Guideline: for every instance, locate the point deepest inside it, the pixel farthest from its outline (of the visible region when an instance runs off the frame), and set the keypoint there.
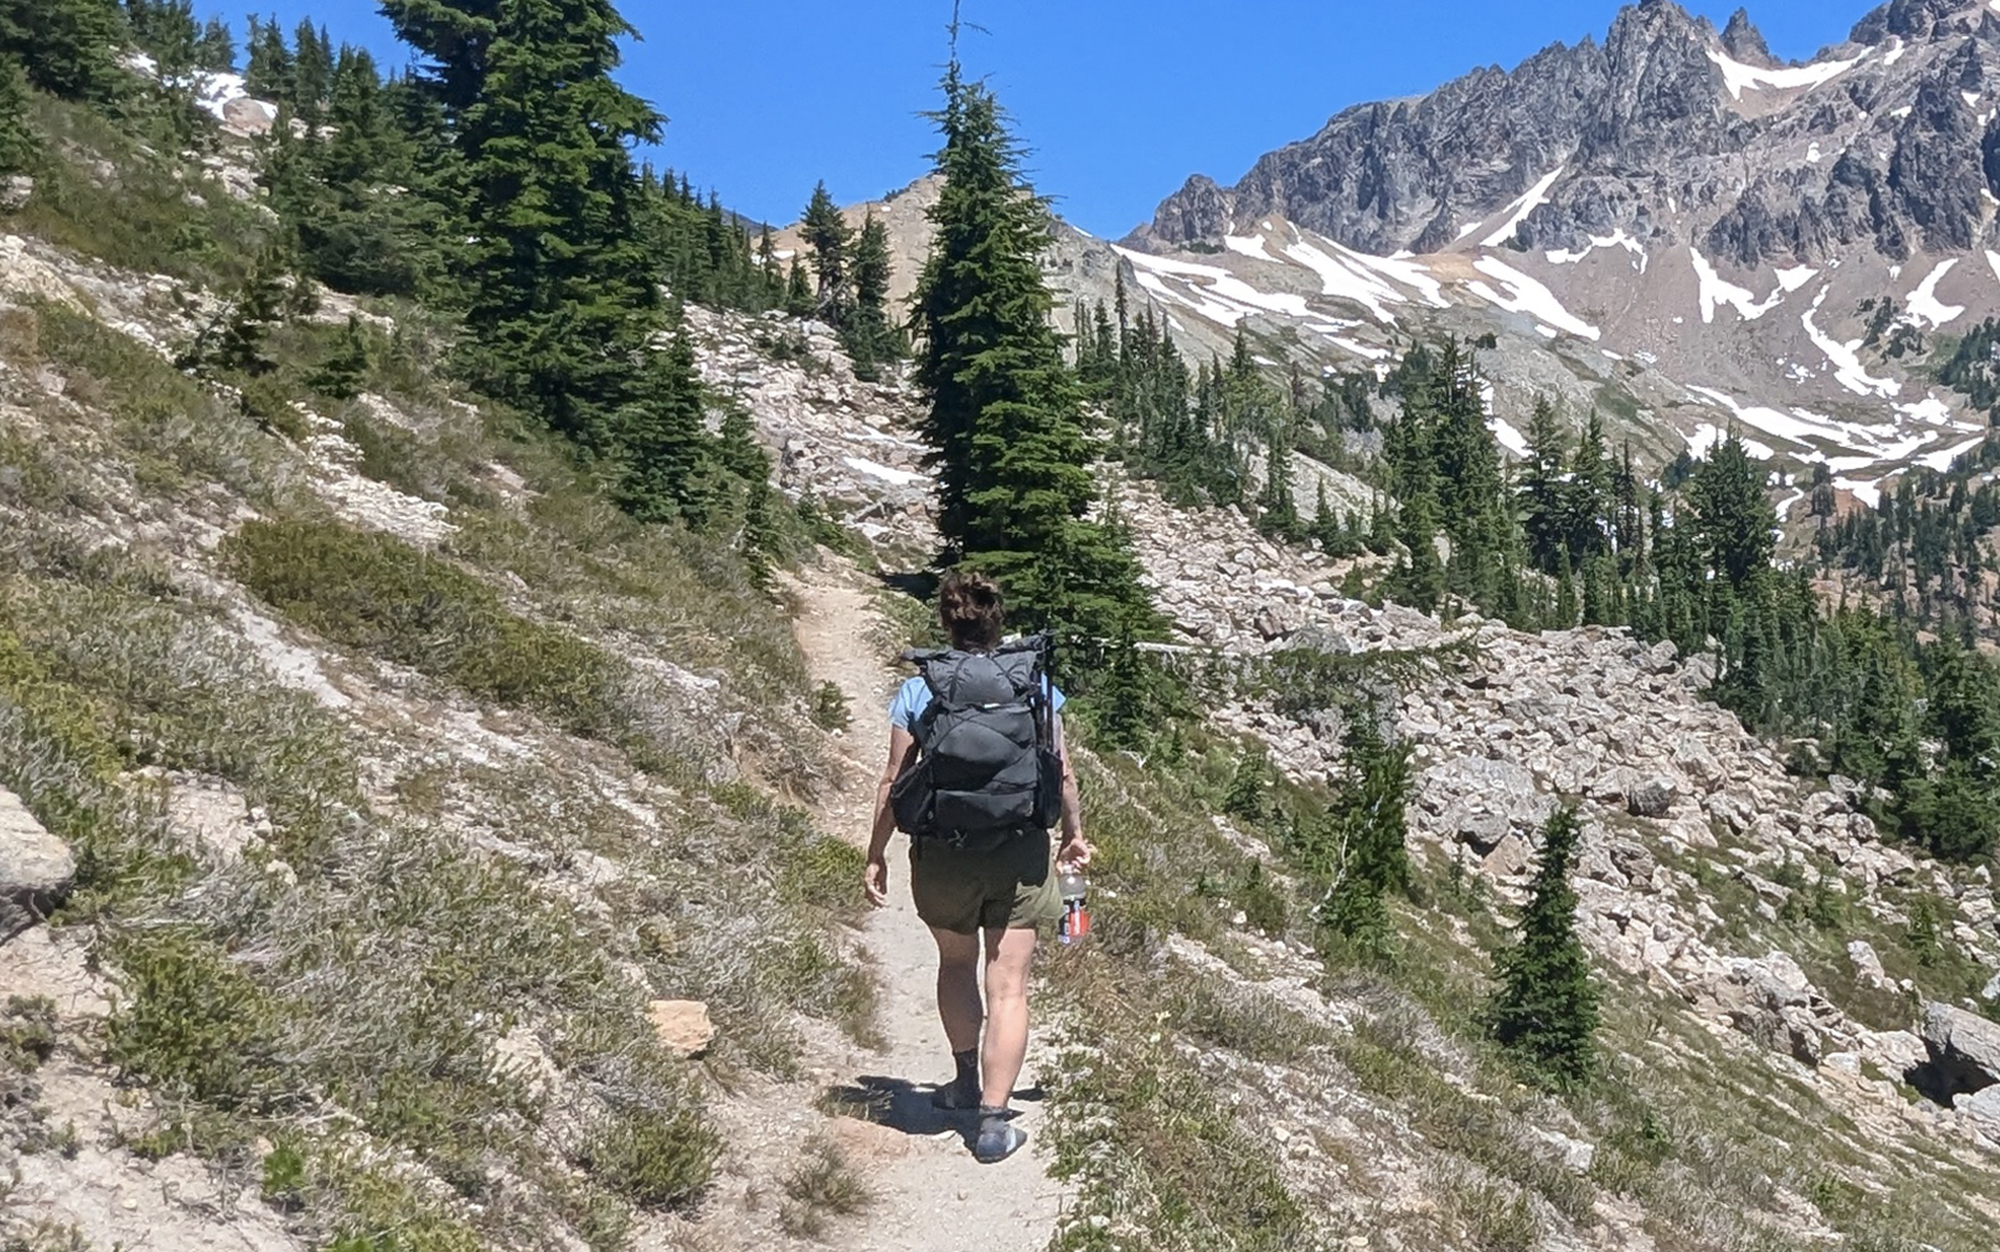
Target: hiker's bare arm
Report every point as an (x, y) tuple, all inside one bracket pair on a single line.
[(1074, 850), (875, 879)]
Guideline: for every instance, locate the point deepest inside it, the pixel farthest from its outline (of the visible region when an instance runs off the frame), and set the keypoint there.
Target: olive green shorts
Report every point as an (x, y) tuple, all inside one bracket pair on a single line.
[(1012, 887)]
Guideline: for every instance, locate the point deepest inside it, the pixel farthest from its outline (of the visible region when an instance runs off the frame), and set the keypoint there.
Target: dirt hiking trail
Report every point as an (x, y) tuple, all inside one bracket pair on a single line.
[(930, 1195)]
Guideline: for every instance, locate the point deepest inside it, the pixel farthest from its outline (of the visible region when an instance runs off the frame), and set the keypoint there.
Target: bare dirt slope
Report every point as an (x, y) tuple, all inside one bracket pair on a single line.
[(930, 1194)]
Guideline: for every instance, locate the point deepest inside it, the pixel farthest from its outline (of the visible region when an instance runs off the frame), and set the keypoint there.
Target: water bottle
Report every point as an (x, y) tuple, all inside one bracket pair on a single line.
[(1076, 911)]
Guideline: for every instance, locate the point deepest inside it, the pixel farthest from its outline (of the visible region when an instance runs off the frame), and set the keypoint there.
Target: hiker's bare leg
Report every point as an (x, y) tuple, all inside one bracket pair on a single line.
[(1008, 956), (958, 988)]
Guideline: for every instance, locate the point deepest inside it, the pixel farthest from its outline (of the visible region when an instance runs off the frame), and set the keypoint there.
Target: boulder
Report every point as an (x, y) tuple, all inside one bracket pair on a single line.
[(35, 867), (1634, 861), (1653, 797), (1510, 858), (1867, 964), (1964, 1050), (15, 192), (1983, 1109), (682, 1025)]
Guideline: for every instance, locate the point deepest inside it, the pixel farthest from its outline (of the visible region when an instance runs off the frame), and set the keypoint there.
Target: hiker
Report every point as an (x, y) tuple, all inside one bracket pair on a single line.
[(977, 880)]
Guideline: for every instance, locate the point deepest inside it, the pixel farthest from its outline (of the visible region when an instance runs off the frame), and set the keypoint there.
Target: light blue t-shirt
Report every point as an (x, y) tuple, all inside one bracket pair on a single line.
[(915, 696)]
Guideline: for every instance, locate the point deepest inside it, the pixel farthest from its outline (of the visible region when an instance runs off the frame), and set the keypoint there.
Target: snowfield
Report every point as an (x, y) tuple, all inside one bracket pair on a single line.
[(1845, 358), (1526, 295), (1924, 304), (1740, 78)]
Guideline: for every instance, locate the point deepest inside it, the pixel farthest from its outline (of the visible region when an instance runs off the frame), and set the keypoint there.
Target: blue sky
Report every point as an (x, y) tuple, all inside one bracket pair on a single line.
[(1119, 101)]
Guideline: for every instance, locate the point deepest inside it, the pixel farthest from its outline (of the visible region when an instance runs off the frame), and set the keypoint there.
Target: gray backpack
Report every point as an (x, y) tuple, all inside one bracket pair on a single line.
[(986, 769)]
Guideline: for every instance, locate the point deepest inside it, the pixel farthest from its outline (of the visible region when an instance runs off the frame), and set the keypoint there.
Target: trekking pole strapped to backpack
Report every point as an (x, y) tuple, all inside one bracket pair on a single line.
[(987, 768)]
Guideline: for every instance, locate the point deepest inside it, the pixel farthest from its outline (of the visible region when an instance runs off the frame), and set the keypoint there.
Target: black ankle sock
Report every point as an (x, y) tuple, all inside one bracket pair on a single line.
[(968, 1067)]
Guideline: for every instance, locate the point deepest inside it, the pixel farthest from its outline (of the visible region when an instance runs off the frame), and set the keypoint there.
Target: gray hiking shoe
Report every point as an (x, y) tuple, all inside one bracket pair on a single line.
[(998, 1138)]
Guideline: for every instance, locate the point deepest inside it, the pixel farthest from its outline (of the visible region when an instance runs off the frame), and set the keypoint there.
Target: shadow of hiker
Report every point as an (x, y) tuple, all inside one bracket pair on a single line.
[(904, 1106)]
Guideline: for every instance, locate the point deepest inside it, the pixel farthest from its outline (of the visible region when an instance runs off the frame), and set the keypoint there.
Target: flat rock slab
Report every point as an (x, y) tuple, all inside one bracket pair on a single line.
[(35, 867)]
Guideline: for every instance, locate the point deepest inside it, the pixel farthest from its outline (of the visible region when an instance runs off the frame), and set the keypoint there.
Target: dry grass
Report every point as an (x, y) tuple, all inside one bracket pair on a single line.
[(422, 984)]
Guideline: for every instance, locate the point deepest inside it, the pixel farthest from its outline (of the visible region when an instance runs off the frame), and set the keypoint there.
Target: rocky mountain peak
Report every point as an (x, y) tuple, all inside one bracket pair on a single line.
[(1742, 40), (1912, 19)]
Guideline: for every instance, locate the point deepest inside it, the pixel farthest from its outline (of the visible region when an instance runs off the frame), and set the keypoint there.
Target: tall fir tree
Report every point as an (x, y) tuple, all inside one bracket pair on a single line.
[(829, 239), (1545, 1010), (561, 295), (1543, 473), (663, 445), (1006, 421), (268, 74), (871, 336), (1732, 512)]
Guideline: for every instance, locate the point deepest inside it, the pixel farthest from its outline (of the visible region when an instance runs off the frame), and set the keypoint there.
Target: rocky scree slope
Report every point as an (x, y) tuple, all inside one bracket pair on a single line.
[(1754, 934)]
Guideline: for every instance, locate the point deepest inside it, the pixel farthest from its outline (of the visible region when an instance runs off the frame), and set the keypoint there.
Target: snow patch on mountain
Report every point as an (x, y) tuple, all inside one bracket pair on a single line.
[(1247, 245), (1616, 239), (1526, 295), (1208, 290), (1532, 199), (1740, 78), (1705, 437), (1845, 357), (1924, 304), (1717, 291)]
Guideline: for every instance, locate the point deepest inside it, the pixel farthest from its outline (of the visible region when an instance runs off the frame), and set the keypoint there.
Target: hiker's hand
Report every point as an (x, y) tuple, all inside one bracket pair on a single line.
[(875, 880), (1074, 853)]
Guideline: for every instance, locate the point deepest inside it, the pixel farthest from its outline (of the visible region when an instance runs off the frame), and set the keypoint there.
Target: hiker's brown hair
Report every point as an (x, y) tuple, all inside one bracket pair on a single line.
[(970, 608)]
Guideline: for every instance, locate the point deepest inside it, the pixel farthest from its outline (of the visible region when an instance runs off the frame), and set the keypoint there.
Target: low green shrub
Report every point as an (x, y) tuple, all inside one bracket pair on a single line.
[(27, 1032), (190, 1021), (657, 1159), (830, 709), (382, 596), (823, 1187)]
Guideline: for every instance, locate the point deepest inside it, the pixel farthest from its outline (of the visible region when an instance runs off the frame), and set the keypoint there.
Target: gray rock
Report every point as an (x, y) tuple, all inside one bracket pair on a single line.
[(15, 192), (1983, 1108), (1634, 861), (1991, 991), (1652, 798), (1867, 964), (1510, 858), (1964, 1048), (35, 867)]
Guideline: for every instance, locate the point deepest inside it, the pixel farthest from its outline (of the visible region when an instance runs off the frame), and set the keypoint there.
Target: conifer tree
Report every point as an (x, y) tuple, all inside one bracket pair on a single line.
[(870, 336), (269, 72), (312, 72), (1280, 515), (830, 239), (769, 273), (1545, 1010), (18, 145), (1541, 490), (1365, 845), (663, 445), (69, 48), (1733, 515), (217, 49), (799, 300), (167, 31), (561, 292), (1006, 422), (346, 369)]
